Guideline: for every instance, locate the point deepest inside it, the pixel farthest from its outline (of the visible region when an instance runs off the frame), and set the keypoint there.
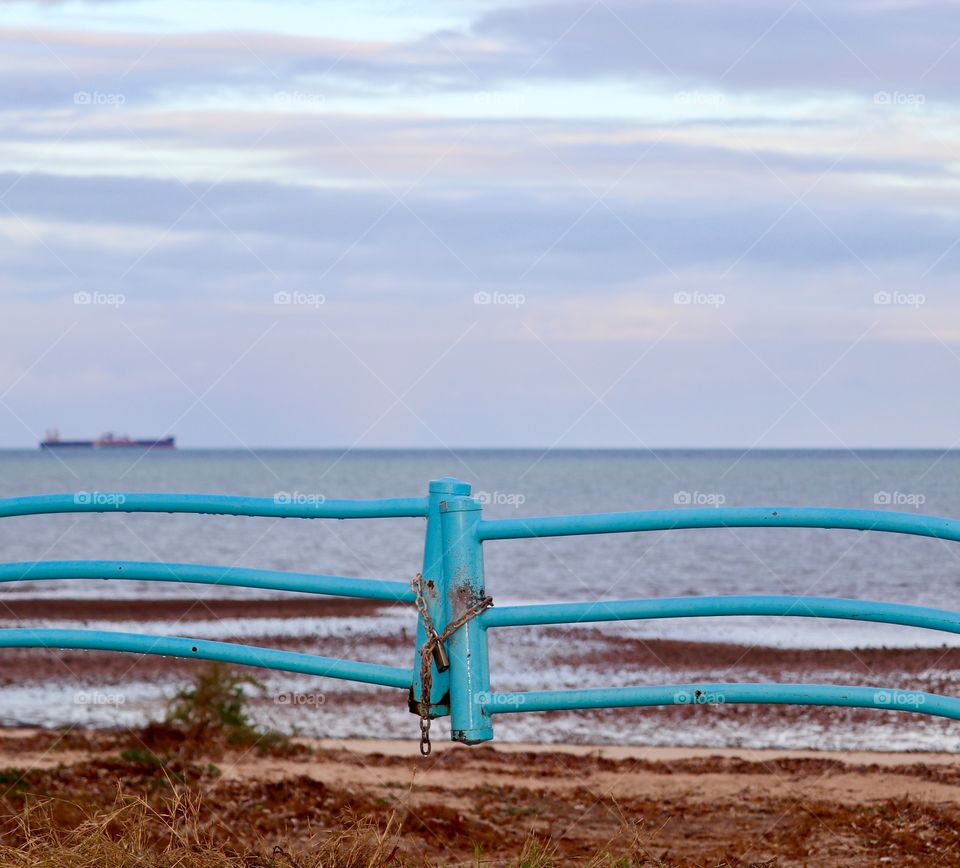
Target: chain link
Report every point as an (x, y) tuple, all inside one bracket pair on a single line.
[(434, 641)]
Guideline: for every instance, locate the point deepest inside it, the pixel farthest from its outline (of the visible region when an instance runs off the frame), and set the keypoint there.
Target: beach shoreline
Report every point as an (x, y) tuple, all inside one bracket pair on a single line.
[(401, 748)]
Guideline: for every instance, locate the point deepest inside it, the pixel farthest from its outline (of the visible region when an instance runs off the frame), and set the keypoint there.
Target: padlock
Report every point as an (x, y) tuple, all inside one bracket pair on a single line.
[(440, 657)]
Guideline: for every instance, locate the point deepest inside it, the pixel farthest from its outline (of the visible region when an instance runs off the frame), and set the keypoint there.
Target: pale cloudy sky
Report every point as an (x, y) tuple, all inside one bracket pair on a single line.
[(609, 223)]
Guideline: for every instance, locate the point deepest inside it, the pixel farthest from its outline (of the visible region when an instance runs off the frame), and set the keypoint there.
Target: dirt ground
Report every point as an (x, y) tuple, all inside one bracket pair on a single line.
[(469, 806)]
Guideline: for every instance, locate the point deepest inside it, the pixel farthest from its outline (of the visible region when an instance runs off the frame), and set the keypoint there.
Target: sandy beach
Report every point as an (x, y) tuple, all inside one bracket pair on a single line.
[(660, 806)]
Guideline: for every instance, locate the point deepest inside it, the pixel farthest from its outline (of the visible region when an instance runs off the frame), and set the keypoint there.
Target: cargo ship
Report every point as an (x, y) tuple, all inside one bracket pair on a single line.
[(105, 441)]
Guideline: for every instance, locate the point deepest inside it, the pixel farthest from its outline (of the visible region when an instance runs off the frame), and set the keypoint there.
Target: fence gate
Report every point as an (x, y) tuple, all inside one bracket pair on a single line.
[(449, 673)]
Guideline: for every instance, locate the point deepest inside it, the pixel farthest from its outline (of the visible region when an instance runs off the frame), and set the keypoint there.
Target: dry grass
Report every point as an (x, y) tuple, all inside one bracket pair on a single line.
[(131, 832), (177, 834)]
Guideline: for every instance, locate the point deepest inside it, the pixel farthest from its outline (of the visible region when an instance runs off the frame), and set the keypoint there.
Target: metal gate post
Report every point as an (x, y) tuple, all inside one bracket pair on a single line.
[(467, 647), (434, 596)]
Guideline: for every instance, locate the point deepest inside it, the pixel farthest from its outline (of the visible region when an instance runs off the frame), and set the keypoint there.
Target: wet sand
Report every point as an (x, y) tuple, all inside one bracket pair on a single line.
[(171, 609), (592, 656)]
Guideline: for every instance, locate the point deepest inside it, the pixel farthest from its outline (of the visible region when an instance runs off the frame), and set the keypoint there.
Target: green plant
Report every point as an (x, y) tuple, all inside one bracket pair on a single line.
[(214, 704), (211, 712)]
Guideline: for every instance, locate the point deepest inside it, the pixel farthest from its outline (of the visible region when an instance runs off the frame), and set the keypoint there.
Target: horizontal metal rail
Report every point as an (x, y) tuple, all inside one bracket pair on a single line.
[(241, 577), (723, 693), (225, 652), (292, 506), (705, 607), (709, 517), (453, 590)]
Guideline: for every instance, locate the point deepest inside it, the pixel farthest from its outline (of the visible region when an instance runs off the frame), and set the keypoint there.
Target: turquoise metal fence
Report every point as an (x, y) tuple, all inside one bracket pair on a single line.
[(450, 672)]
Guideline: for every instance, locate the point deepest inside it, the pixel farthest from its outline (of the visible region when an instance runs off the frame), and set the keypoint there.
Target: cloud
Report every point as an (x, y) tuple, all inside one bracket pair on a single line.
[(146, 67), (245, 238), (748, 44)]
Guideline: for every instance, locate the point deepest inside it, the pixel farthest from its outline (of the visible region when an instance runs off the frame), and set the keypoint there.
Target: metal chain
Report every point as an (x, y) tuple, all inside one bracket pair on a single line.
[(434, 641)]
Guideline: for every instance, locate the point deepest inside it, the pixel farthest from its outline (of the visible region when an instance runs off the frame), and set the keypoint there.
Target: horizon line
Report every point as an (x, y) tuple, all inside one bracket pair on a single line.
[(455, 449)]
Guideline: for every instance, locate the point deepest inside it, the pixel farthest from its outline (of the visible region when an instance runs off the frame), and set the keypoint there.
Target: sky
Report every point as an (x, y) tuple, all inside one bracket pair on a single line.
[(607, 224)]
